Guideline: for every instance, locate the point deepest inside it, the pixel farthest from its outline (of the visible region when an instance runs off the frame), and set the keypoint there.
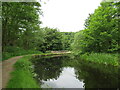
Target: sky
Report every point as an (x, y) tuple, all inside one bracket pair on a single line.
[(67, 15)]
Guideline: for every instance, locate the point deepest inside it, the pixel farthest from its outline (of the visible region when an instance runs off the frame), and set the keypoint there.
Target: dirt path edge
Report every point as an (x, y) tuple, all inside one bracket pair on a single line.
[(6, 67)]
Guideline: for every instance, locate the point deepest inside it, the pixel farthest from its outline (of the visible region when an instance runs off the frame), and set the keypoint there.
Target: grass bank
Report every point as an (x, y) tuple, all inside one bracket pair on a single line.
[(102, 58), (22, 76), (16, 51)]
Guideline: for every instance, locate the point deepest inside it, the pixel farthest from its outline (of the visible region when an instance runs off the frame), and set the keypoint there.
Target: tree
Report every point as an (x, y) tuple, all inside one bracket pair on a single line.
[(20, 22), (101, 31), (52, 40), (67, 39)]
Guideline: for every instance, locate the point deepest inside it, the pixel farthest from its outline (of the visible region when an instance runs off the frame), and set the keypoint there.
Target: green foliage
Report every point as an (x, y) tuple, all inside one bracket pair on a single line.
[(17, 51), (78, 45), (22, 76), (101, 33), (20, 24), (97, 75), (23, 63), (52, 40), (107, 59), (67, 39), (21, 32), (56, 40)]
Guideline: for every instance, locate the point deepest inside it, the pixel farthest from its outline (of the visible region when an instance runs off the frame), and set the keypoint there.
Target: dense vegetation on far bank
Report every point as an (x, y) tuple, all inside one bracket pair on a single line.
[(101, 33), (100, 40)]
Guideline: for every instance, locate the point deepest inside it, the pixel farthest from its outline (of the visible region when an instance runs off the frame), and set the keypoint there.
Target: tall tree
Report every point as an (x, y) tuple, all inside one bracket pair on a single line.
[(101, 30), (20, 21)]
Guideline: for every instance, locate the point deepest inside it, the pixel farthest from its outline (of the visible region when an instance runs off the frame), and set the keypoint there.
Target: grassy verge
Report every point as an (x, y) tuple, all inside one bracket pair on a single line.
[(17, 51), (22, 76), (102, 58)]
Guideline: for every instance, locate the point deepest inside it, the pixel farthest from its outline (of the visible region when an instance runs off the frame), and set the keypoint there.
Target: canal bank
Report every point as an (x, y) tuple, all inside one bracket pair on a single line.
[(20, 72), (61, 71)]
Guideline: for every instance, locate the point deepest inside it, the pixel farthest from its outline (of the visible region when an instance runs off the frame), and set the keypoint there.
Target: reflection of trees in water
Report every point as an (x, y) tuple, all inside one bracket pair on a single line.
[(97, 76), (48, 68), (93, 75)]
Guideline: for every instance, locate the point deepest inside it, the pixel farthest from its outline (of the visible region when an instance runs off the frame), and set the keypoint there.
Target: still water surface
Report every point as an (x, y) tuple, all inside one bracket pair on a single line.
[(68, 72), (67, 79)]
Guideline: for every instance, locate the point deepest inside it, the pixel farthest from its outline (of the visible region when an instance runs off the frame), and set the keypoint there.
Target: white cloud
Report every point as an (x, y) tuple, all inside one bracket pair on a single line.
[(67, 15)]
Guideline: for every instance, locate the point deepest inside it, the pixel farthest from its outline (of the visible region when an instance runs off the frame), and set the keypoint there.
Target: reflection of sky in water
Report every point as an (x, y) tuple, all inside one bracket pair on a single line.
[(67, 79)]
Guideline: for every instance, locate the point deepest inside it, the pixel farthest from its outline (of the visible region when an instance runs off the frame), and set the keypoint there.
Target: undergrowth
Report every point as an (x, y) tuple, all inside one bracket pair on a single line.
[(104, 58)]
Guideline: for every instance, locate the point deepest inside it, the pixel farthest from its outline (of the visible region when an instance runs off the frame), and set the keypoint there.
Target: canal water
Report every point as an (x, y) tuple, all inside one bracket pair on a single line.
[(70, 72)]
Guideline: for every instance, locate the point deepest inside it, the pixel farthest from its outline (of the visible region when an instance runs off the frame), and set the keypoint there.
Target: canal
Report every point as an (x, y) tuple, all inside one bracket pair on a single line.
[(60, 71)]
